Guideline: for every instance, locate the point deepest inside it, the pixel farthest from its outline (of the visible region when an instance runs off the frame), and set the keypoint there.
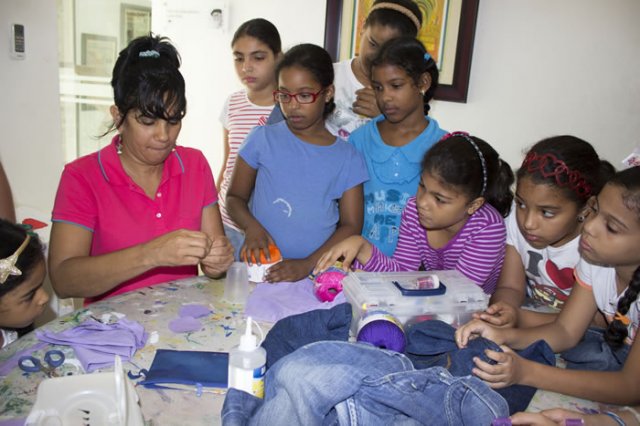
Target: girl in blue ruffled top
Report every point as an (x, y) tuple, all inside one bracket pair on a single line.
[(404, 78)]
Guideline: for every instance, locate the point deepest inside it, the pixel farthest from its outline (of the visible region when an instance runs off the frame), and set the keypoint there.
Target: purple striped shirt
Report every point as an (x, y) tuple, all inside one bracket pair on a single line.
[(477, 250)]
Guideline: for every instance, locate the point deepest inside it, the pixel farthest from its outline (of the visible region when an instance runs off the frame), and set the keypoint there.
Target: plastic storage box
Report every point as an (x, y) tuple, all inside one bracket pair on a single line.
[(375, 291)]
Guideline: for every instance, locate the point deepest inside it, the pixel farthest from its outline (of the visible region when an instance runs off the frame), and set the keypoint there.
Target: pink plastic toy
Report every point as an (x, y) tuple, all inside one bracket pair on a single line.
[(328, 284)]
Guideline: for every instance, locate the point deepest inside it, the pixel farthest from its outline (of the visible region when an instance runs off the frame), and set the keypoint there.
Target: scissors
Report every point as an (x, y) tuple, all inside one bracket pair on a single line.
[(53, 359)]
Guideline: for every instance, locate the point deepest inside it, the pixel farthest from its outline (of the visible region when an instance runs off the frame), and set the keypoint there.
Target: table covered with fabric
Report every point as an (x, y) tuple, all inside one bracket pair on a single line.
[(163, 310)]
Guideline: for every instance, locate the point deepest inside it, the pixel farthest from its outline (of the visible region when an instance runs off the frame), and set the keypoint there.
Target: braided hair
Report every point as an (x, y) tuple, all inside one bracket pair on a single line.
[(617, 331)]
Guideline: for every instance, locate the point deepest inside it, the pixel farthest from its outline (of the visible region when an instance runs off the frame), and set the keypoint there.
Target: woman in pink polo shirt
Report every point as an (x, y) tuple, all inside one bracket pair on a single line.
[(142, 210)]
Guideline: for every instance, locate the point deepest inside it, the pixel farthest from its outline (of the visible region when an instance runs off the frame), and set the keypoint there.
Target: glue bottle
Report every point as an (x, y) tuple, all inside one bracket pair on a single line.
[(247, 364)]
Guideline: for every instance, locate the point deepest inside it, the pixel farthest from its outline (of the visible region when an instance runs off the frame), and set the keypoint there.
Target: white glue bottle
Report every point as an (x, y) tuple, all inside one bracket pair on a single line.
[(247, 364)]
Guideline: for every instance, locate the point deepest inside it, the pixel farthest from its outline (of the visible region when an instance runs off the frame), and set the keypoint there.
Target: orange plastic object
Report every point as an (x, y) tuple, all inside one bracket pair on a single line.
[(274, 252)]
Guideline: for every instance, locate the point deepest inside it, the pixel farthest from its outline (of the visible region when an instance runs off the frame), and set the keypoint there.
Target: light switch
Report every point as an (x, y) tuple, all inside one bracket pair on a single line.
[(17, 49)]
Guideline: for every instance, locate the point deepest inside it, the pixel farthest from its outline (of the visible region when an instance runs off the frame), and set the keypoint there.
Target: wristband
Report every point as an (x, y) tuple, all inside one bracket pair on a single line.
[(615, 417)]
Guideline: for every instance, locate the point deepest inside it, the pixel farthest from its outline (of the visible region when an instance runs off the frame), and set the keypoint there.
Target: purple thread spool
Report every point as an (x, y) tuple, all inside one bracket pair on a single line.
[(383, 330)]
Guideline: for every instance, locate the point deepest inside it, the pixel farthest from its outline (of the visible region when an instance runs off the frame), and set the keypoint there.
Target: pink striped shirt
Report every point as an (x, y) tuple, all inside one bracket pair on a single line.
[(477, 250), (238, 116)]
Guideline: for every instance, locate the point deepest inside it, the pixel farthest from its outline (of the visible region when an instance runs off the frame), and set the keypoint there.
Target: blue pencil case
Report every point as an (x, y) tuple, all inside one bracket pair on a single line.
[(186, 370)]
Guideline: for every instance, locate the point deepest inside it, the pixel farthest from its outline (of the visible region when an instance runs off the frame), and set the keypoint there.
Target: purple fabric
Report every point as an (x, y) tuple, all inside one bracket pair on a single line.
[(194, 311), (11, 363), (185, 325), (89, 341), (13, 422), (272, 302)]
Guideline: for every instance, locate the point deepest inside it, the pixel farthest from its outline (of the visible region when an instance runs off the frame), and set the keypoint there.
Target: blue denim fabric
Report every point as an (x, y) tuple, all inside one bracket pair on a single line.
[(293, 332), (432, 343), (236, 238), (593, 353), (342, 383)]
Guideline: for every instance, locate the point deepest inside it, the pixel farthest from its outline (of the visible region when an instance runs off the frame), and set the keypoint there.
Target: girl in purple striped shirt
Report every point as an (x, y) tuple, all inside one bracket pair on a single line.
[(454, 222)]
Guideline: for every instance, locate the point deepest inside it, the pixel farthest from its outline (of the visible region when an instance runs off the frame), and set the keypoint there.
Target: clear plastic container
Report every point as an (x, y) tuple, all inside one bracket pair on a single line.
[(367, 291)]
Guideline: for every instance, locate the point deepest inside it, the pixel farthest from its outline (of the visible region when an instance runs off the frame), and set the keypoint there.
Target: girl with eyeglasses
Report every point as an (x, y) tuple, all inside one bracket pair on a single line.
[(304, 183)]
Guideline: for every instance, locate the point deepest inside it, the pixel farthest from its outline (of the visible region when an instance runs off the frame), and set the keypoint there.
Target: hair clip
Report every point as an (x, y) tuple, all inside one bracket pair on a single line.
[(622, 318), (8, 264), (560, 172), (149, 54), (427, 57)]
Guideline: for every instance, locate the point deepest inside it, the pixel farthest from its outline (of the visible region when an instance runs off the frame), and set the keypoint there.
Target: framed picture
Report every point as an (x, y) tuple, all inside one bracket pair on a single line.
[(447, 32), (98, 54), (135, 21)]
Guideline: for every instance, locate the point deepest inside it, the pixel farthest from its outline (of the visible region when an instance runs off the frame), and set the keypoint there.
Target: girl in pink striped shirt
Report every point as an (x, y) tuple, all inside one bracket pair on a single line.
[(256, 49), (454, 222)]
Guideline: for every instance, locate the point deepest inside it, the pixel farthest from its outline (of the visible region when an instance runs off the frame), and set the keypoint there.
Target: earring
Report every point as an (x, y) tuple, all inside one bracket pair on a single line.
[(119, 148), (423, 92), (581, 218)]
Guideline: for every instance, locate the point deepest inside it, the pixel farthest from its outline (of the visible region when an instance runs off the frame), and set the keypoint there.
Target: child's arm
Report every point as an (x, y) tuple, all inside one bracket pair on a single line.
[(225, 157), (7, 210), (240, 190), (512, 283), (350, 223), (610, 387)]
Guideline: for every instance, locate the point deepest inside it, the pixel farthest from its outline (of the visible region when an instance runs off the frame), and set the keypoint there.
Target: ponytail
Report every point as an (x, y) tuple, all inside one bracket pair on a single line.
[(499, 193), (618, 330)]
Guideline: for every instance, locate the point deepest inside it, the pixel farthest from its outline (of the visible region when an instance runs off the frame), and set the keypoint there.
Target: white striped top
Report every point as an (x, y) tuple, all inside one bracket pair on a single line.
[(477, 250), (238, 116)]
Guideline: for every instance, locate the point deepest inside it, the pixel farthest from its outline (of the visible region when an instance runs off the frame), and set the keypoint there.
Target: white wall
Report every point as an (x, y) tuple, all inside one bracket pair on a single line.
[(207, 59), (31, 141), (547, 67)]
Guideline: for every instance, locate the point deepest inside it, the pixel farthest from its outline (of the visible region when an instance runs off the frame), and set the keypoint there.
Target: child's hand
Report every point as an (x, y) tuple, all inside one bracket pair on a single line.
[(256, 239), (365, 103), (499, 314), (349, 248), (288, 270), (477, 328), (508, 370)]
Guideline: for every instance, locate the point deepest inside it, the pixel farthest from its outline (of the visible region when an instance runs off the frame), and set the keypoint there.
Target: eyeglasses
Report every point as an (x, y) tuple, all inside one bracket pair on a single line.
[(301, 98)]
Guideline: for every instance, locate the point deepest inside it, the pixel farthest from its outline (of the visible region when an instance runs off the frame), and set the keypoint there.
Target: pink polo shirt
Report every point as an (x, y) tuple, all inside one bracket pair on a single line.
[(96, 193)]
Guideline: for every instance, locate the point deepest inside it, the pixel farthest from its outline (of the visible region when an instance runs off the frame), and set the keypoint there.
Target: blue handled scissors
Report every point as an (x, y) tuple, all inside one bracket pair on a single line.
[(53, 359)]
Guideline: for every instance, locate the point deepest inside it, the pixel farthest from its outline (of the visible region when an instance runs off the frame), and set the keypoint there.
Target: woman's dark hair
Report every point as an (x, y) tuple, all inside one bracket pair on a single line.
[(568, 163), (455, 161), (410, 54), (314, 59), (629, 181), (389, 17), (146, 77), (262, 30), (12, 237)]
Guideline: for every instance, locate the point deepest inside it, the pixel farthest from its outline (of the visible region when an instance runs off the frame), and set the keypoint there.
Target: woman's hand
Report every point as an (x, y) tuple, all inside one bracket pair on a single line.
[(507, 371), (256, 239), (219, 258), (365, 103), (499, 314), (477, 328), (289, 270), (178, 248), (349, 249)]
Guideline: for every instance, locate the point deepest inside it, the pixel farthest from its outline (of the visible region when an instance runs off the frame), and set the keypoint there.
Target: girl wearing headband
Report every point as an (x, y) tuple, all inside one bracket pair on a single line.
[(454, 222), (607, 282), (355, 99), (22, 272), (557, 177)]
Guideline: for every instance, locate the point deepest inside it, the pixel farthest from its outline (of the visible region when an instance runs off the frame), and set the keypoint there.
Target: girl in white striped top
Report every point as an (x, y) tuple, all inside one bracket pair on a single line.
[(454, 222), (256, 49)]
